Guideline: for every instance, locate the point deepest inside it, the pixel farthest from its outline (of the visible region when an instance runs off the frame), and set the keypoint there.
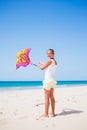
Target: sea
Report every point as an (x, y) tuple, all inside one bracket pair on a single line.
[(6, 85)]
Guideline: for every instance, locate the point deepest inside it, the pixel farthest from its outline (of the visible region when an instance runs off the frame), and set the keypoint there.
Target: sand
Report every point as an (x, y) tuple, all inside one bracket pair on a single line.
[(21, 109)]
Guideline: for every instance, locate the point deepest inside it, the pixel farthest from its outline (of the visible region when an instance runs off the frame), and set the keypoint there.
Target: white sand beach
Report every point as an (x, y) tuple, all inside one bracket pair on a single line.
[(21, 109)]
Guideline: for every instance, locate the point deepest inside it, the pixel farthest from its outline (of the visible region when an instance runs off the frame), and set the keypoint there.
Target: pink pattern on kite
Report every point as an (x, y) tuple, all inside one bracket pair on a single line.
[(22, 58)]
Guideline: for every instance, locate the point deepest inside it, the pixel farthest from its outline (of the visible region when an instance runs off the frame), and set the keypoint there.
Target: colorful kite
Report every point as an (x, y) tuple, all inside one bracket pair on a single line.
[(22, 58)]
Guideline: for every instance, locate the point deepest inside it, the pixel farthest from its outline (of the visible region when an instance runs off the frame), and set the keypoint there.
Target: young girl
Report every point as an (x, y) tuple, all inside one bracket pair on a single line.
[(49, 83)]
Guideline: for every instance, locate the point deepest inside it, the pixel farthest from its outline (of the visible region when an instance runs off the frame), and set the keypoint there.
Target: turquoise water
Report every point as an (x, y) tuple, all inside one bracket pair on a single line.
[(37, 84)]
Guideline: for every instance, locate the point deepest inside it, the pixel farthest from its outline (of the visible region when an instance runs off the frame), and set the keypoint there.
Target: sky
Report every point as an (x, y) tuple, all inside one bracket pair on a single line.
[(40, 25)]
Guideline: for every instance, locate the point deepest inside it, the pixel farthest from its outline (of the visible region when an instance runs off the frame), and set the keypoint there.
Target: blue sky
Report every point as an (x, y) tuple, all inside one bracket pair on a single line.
[(40, 25)]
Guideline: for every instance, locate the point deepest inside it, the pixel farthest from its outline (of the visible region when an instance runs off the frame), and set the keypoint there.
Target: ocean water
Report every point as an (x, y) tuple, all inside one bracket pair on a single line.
[(37, 84)]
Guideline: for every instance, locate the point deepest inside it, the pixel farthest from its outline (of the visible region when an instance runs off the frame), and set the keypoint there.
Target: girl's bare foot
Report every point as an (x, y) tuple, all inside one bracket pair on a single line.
[(52, 114), (44, 115)]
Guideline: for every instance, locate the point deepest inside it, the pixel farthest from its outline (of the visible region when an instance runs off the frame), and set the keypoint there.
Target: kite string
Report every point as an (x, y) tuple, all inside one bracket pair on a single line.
[(33, 64)]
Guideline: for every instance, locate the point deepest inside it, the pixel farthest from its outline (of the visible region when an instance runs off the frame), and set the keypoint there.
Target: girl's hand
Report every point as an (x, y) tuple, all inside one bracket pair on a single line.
[(40, 63), (44, 66)]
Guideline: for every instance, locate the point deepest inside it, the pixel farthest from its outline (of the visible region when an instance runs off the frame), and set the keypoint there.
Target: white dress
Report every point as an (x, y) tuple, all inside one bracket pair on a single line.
[(50, 81)]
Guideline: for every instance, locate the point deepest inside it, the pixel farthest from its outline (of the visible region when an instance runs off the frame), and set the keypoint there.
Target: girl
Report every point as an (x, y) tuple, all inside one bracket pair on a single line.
[(49, 83)]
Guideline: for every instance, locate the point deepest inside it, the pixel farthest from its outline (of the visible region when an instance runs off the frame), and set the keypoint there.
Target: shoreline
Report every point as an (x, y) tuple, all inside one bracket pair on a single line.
[(36, 87)]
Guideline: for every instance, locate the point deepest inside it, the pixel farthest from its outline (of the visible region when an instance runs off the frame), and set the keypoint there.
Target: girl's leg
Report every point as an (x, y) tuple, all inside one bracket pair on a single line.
[(52, 101), (47, 97)]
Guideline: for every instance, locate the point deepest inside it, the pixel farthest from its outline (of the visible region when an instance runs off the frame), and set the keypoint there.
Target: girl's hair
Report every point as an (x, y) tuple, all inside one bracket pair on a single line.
[(53, 53), (51, 50)]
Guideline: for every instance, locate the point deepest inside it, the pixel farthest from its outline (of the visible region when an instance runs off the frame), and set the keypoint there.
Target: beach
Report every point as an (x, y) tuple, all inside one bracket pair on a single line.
[(22, 109)]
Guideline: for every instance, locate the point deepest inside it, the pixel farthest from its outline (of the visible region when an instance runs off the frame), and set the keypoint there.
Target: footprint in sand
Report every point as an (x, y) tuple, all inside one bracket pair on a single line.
[(72, 100), (23, 117), (1, 112), (3, 121)]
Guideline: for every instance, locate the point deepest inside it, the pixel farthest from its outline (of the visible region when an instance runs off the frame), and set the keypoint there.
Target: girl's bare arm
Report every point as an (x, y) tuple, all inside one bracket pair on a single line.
[(44, 66)]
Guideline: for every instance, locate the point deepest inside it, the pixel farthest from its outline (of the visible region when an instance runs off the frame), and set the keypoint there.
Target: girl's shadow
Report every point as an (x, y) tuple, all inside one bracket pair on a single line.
[(68, 111)]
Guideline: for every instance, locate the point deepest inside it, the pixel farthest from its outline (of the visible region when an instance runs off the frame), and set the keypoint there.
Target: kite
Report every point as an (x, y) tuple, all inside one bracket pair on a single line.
[(22, 58)]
